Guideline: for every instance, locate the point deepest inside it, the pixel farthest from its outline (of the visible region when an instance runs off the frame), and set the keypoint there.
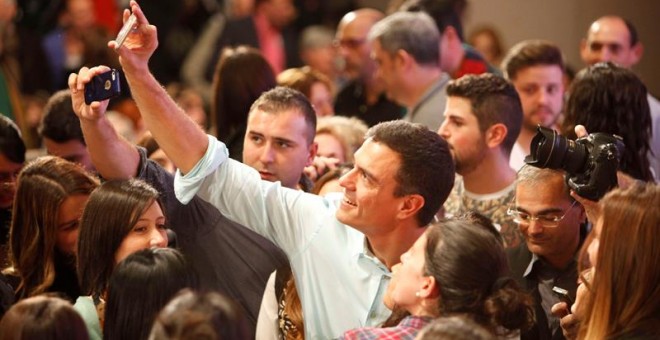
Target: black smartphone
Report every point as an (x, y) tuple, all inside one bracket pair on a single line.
[(563, 296), (103, 86)]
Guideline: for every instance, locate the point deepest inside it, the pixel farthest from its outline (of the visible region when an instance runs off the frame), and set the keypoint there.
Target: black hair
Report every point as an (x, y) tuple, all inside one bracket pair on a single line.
[(140, 287)]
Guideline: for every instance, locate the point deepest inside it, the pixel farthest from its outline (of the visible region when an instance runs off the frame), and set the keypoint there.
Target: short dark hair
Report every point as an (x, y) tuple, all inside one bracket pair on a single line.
[(59, 121), (470, 268), (493, 100), (283, 98), (11, 143), (111, 212), (530, 53), (192, 315), (414, 33), (427, 167), (140, 287), (444, 12), (609, 98), (43, 317)]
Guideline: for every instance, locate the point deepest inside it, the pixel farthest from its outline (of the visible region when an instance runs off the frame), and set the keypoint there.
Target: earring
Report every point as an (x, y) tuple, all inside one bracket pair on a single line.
[(417, 294)]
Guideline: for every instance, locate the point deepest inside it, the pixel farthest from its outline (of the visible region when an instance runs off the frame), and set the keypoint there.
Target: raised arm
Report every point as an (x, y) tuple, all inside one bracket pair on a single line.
[(112, 155), (178, 135)]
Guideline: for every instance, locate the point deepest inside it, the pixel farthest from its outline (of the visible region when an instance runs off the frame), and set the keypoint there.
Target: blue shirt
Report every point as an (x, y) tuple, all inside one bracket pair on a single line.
[(340, 283)]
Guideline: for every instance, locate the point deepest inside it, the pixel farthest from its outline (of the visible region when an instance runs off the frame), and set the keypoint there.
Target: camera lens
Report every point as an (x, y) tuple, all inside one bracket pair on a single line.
[(550, 150)]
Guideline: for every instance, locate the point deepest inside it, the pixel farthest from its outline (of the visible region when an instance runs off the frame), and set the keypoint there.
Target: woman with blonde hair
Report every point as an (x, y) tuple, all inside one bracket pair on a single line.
[(313, 84)]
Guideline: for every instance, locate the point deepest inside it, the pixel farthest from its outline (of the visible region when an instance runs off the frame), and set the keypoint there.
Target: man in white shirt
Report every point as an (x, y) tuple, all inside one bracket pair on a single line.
[(340, 248)]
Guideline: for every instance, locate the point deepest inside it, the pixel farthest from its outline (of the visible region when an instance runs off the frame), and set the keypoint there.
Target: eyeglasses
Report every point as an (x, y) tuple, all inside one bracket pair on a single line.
[(348, 43), (549, 220)]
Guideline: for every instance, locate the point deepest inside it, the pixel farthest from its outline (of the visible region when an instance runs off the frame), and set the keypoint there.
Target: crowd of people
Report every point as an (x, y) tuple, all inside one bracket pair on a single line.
[(376, 179)]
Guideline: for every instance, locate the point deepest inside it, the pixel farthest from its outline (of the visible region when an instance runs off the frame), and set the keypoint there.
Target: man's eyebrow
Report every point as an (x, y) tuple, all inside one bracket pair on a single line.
[(542, 212), (284, 140), (368, 174)]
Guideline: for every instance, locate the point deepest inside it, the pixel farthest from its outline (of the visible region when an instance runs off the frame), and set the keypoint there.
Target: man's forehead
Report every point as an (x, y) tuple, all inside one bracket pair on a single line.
[(551, 191), (609, 29), (291, 123), (373, 154)]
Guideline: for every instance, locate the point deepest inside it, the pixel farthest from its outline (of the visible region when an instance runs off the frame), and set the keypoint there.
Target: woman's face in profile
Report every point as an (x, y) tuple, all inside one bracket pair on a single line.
[(68, 222), (148, 232), (409, 278)]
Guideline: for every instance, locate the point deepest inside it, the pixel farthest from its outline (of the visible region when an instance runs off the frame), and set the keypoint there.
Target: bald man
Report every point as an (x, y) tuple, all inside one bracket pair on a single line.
[(362, 97), (612, 38)]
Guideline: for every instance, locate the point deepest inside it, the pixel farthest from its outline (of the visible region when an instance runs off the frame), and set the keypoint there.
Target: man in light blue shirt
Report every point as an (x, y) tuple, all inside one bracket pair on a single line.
[(341, 247)]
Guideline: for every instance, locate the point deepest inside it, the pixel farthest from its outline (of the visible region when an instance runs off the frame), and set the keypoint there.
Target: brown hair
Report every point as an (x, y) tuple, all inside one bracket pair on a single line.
[(241, 76), (625, 297), (302, 79), (43, 317), (612, 99), (282, 99), (493, 100), (111, 212), (42, 186), (470, 267), (427, 167), (530, 53), (192, 315)]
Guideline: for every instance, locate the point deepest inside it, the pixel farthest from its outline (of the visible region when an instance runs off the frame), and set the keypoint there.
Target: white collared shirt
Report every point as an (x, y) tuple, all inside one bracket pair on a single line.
[(340, 283)]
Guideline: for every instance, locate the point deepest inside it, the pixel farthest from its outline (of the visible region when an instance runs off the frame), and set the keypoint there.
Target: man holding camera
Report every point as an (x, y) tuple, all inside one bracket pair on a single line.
[(551, 222)]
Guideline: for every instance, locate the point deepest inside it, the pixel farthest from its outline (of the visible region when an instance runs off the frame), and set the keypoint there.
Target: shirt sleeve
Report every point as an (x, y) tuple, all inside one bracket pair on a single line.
[(289, 218)]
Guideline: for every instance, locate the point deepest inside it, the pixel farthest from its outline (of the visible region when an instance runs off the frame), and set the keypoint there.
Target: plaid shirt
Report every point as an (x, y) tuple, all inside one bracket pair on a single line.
[(407, 329)]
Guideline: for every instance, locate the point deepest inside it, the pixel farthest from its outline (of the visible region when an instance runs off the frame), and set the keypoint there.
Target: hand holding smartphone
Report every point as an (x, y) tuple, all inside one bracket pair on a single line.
[(125, 30), (103, 86)]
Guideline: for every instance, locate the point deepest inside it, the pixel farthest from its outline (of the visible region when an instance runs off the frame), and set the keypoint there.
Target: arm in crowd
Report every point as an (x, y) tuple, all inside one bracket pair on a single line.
[(113, 156), (178, 135)]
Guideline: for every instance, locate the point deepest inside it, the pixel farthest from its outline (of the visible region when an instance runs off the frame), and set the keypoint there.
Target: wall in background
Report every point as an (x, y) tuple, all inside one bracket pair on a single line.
[(565, 22)]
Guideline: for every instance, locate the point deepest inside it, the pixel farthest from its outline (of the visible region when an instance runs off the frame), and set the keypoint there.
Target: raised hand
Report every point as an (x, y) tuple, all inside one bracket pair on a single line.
[(77, 82), (140, 44)]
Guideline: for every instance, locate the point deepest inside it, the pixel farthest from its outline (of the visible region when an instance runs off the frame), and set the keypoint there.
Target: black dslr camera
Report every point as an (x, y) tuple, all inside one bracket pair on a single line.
[(103, 86), (591, 162)]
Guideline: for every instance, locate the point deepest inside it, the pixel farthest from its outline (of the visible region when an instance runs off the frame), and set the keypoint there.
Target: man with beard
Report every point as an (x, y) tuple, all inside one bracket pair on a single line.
[(482, 120), (536, 69)]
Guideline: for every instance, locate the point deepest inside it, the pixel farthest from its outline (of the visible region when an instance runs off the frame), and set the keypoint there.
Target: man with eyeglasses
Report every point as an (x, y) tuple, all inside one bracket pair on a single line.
[(363, 96), (551, 222)]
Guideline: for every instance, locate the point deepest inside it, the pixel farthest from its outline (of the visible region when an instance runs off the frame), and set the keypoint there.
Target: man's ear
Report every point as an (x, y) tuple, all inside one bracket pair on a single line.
[(495, 135), (410, 206), (636, 53), (402, 59), (583, 50), (313, 150)]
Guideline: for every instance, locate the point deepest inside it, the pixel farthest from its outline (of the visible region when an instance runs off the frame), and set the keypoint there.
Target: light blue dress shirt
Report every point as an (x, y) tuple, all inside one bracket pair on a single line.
[(340, 283)]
